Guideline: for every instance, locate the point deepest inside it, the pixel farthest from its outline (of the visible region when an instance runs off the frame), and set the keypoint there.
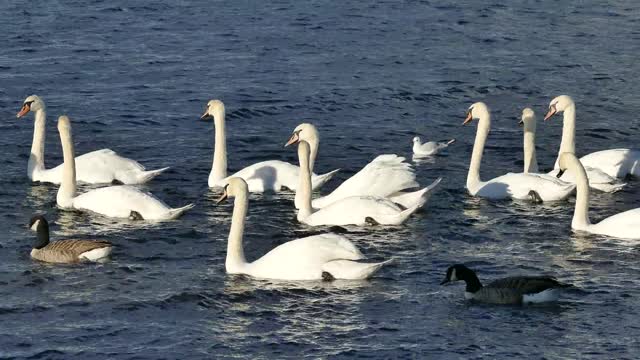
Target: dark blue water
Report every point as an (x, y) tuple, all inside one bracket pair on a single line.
[(135, 76)]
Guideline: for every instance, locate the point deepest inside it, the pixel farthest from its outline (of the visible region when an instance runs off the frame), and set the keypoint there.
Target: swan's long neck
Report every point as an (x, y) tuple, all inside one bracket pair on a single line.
[(473, 177), (219, 166), (568, 142), (530, 159), (67, 190), (581, 214), (36, 159), (313, 145), (303, 194), (235, 252)]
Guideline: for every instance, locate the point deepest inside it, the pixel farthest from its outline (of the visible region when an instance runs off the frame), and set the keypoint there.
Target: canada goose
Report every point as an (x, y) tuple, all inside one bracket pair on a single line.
[(65, 251), (510, 290)]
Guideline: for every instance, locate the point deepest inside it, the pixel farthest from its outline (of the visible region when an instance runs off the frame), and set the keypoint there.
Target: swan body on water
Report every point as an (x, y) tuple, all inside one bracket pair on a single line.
[(103, 166), (318, 257), (384, 177), (271, 175), (112, 201), (616, 163), (352, 210), (511, 185), (625, 225)]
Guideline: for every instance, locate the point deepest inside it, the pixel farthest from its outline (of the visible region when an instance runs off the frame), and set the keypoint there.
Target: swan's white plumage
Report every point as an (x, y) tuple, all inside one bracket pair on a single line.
[(386, 175), (97, 167), (625, 225), (300, 259), (272, 175), (518, 186), (616, 163), (352, 210), (511, 185), (119, 201), (112, 201)]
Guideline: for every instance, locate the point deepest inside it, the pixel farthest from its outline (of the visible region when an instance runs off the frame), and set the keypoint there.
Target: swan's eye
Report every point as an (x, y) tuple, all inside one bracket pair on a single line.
[(29, 102)]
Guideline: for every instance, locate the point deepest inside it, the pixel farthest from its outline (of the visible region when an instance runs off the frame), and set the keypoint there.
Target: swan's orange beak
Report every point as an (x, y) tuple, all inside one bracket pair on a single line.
[(552, 111), (25, 109), (468, 118), (293, 139)]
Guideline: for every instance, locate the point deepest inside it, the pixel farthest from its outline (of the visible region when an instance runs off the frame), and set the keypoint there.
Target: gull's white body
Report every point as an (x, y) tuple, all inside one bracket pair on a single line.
[(511, 185), (112, 201), (300, 259), (615, 163), (429, 148), (96, 167), (624, 225), (272, 175)]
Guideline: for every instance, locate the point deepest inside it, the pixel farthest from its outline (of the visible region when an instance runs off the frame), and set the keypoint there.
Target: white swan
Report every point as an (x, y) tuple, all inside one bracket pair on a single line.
[(97, 167), (429, 148), (113, 201), (385, 176), (511, 185), (353, 210), (624, 225), (270, 175), (615, 162), (326, 256), (597, 178), (528, 121)]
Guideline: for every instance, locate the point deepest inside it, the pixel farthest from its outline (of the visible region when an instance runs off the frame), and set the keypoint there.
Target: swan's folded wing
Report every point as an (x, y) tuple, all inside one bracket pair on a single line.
[(385, 175), (119, 201), (303, 259)]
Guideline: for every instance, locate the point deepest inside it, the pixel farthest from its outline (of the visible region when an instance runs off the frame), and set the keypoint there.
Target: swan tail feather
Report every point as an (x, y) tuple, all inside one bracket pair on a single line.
[(608, 187), (176, 213), (420, 197), (450, 142), (323, 179), (146, 176), (352, 270)]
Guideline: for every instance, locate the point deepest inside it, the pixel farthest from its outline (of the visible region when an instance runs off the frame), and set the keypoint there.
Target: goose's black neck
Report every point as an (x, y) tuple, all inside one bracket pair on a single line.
[(471, 279), (42, 230)]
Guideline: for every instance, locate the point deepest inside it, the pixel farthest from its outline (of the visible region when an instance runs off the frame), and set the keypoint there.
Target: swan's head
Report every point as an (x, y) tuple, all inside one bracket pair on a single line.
[(558, 105), (64, 124), (416, 139), (31, 103), (528, 117), (457, 272), (214, 109), (235, 187), (476, 111), (304, 132)]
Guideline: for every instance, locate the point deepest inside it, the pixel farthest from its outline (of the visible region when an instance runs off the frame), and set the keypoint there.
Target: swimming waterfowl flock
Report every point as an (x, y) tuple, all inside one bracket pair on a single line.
[(384, 192)]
